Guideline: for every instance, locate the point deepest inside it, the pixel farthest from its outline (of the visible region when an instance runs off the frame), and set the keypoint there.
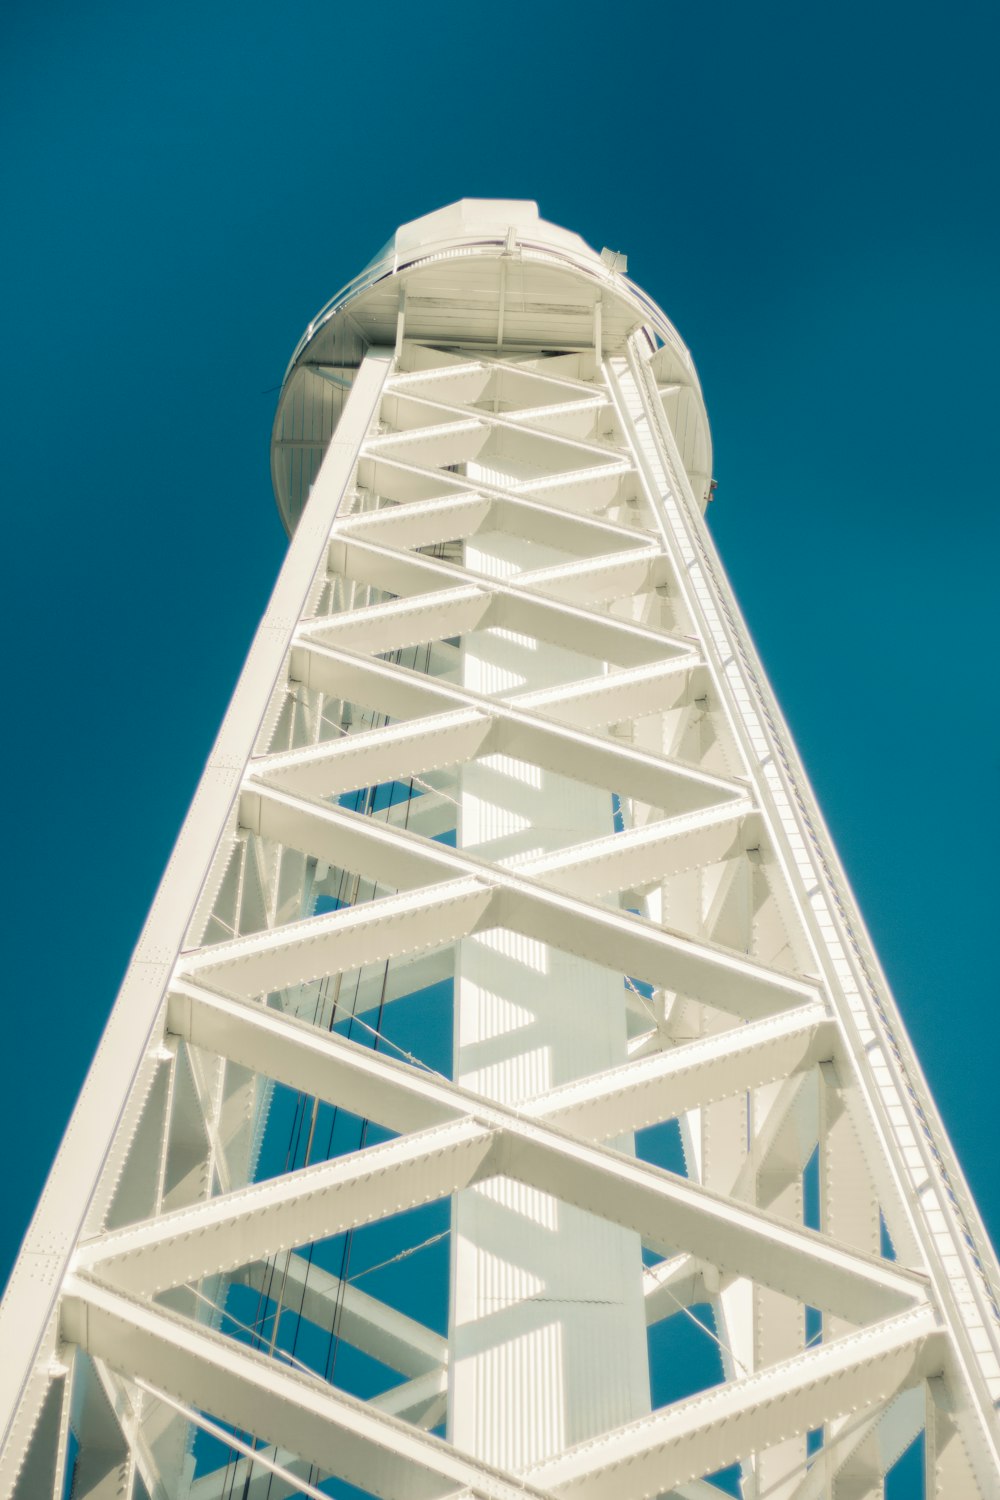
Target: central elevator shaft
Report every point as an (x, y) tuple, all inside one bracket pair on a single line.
[(548, 1331)]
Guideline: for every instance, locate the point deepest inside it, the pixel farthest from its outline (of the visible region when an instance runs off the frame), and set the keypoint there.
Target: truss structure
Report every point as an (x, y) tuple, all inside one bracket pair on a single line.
[(504, 1099)]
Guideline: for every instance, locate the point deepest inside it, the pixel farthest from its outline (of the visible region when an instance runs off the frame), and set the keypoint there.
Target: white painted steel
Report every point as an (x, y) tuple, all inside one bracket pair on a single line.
[(548, 1320), (501, 730), (120, 1073), (304, 1415), (713, 1429)]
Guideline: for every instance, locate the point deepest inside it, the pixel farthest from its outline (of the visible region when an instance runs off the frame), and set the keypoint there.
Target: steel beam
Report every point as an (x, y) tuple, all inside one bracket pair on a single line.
[(429, 733), (484, 1140), (615, 939), (299, 1413), (691, 1075), (315, 1203), (724, 1424)]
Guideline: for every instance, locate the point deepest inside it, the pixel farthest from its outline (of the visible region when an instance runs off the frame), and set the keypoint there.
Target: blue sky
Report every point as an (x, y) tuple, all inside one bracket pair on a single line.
[(810, 194)]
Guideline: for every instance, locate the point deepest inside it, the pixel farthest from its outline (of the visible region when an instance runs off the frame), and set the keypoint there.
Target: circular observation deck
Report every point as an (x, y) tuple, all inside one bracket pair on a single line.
[(489, 278)]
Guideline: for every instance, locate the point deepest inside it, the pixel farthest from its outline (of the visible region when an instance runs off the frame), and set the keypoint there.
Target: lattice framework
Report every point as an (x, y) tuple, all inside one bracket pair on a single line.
[(756, 1014)]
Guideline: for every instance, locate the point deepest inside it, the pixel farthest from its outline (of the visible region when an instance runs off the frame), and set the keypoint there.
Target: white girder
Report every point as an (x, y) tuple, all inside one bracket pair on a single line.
[(317, 1203), (591, 703), (501, 732), (323, 1200), (340, 1434), (717, 1427), (507, 728), (423, 523), (489, 605), (598, 1108), (442, 913)]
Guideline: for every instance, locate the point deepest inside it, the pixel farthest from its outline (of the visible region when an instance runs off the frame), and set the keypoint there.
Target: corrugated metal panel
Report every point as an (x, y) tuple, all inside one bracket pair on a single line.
[(548, 1324)]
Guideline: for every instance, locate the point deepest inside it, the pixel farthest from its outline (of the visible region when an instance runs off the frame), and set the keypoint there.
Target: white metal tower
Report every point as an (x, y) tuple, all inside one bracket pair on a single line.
[(503, 1099)]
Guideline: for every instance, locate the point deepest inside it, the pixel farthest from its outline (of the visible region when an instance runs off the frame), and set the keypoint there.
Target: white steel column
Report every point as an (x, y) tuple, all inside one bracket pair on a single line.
[(549, 1326)]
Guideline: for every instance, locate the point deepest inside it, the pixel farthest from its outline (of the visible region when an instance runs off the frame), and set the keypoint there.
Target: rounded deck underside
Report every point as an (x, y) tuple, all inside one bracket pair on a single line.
[(488, 278)]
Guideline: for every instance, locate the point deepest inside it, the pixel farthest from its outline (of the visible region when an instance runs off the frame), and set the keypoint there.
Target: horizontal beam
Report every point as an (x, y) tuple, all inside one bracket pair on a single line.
[(408, 478), (601, 580), (589, 702), (399, 1097), (619, 861), (461, 514), (582, 489), (667, 1211), (297, 1412), (484, 368), (298, 1208), (665, 1084), (532, 520), (613, 939), (421, 523), (723, 1425), (450, 603), (393, 752), (432, 731), (412, 575), (427, 409), (650, 852), (316, 1062), (616, 697), (342, 941), (399, 623), (435, 446), (670, 1214)]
